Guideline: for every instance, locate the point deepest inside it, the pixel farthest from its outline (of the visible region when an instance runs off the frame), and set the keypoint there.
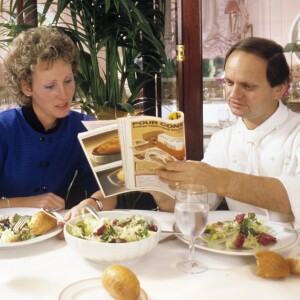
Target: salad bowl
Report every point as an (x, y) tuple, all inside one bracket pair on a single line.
[(93, 248)]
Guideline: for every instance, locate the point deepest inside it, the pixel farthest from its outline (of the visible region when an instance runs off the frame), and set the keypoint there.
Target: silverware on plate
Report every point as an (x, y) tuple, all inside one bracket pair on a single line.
[(21, 223), (53, 213)]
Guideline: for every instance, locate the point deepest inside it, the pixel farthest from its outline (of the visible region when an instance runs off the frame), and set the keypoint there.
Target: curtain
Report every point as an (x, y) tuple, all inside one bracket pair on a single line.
[(220, 30)]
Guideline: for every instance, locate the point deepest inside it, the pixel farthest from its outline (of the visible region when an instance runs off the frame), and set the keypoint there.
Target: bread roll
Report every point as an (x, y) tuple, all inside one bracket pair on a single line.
[(294, 264), (109, 146), (40, 223), (121, 283), (271, 265)]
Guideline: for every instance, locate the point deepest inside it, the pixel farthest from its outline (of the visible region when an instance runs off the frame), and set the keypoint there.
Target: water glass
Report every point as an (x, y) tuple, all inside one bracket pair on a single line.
[(191, 212)]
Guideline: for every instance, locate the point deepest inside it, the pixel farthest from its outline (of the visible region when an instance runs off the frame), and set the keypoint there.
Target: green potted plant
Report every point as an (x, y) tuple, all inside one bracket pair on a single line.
[(119, 42)]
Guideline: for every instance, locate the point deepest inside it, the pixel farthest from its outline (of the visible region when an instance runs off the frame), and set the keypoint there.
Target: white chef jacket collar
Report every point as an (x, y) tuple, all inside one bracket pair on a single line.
[(274, 121)]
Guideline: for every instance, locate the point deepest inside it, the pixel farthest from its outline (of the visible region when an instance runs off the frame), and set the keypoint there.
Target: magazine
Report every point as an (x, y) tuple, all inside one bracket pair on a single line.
[(124, 154)]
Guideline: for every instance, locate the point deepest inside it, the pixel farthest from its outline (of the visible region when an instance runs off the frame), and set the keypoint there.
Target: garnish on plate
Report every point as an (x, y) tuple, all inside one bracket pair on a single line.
[(37, 225), (8, 235), (244, 232)]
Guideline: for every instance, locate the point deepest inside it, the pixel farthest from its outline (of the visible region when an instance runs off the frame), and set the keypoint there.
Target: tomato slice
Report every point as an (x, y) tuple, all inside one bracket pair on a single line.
[(266, 239), (240, 218), (239, 242)]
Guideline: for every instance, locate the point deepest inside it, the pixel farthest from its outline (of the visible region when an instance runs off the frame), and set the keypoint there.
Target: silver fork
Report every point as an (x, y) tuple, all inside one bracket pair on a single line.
[(21, 223), (52, 212), (92, 210)]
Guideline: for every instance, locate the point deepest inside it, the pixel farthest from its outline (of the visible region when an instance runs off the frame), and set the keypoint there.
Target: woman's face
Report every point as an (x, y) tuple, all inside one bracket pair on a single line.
[(52, 91), (248, 92)]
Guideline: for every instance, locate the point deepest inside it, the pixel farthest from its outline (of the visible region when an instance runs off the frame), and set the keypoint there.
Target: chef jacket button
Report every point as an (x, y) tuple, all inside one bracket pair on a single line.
[(51, 140), (46, 164), (40, 164), (234, 161), (36, 189), (272, 158), (42, 139), (45, 188)]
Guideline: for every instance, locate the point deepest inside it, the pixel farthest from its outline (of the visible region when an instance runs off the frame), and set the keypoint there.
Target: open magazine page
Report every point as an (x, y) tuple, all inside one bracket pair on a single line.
[(90, 125), (102, 149), (147, 144)]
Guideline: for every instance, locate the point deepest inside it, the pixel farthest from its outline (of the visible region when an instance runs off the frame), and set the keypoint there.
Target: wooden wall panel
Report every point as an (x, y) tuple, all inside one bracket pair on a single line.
[(192, 77)]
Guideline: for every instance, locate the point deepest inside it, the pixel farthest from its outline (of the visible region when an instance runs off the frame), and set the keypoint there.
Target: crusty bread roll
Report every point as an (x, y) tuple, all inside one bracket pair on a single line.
[(271, 265), (294, 264), (109, 146), (40, 223), (121, 283)]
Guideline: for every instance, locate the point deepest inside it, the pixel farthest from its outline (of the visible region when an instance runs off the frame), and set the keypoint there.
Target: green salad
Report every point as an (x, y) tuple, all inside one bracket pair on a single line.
[(7, 234), (244, 232), (105, 230)]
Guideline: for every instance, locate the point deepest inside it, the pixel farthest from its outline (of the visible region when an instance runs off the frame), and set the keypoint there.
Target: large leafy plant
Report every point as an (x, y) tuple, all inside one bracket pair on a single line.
[(119, 42)]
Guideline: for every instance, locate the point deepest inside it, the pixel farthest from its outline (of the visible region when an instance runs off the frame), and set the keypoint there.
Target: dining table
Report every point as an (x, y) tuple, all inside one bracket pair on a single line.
[(45, 269)]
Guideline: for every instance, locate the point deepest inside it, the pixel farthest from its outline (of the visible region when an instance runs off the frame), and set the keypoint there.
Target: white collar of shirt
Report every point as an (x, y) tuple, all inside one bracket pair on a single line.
[(255, 136), (274, 121)]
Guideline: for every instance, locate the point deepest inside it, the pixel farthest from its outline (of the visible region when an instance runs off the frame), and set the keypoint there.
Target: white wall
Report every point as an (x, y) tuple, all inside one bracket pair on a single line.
[(273, 18)]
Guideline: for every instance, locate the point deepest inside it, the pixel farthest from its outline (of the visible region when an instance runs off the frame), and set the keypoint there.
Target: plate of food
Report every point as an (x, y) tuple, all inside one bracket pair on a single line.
[(39, 227), (236, 233)]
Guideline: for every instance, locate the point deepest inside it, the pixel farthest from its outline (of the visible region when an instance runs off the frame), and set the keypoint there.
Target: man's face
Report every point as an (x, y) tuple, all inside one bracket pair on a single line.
[(248, 93)]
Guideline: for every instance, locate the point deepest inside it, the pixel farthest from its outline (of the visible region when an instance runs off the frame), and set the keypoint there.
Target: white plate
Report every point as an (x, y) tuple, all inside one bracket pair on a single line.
[(26, 211), (89, 289), (285, 237)]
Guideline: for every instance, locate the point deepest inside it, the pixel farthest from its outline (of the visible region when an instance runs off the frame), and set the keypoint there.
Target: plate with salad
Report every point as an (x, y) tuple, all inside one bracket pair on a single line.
[(237, 233), (23, 237)]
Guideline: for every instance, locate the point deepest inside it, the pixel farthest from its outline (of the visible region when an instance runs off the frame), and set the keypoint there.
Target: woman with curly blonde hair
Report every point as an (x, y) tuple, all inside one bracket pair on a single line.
[(39, 150)]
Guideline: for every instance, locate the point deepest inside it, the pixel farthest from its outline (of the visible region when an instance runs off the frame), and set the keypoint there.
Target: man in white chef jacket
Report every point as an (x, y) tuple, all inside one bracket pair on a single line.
[(254, 164)]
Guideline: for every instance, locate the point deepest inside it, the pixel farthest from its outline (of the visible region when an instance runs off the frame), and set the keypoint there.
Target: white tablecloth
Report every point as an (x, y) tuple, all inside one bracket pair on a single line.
[(42, 270)]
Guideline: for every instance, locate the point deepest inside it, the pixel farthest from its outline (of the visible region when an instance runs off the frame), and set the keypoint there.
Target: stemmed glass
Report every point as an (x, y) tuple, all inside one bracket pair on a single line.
[(166, 93), (191, 212), (223, 117)]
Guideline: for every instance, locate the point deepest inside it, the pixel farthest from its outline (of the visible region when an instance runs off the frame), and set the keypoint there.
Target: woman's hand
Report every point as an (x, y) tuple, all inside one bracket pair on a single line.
[(46, 201), (79, 209), (74, 212), (109, 203)]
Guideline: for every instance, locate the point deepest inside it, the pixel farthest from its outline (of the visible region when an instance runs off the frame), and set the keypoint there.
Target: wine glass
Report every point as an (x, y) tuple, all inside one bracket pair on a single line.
[(166, 93), (223, 117), (205, 93), (191, 212), (213, 93)]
